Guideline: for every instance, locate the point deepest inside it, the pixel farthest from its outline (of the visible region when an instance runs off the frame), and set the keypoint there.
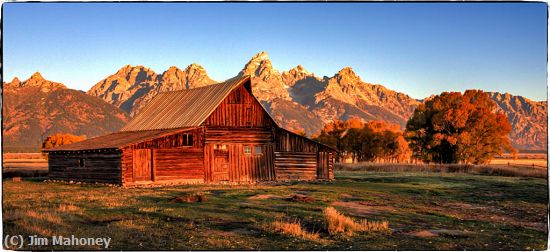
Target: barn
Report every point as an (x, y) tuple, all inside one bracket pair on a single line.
[(214, 134)]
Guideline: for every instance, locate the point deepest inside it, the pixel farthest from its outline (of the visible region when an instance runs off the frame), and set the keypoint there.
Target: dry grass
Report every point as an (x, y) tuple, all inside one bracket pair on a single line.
[(68, 208), (293, 228), (494, 170), (338, 223)]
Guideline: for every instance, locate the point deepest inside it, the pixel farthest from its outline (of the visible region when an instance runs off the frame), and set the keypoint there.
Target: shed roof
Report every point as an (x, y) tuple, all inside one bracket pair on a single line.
[(177, 109), (116, 140)]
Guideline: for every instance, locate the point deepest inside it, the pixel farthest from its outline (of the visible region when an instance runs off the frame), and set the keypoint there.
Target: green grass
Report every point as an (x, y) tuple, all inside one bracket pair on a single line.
[(463, 211)]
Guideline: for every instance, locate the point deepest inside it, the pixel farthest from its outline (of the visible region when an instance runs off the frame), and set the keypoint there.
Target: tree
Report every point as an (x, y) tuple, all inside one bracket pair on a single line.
[(61, 139), (458, 128), (375, 140)]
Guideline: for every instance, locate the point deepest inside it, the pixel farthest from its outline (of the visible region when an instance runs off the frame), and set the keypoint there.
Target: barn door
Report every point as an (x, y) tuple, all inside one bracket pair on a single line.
[(143, 164), (220, 170)]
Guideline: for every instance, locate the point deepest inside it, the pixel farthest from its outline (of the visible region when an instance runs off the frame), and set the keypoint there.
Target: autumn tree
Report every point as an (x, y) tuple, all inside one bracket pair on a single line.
[(370, 141), (61, 139), (458, 128)]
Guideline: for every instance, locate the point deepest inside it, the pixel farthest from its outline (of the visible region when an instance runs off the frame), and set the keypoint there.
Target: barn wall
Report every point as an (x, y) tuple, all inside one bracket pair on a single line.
[(105, 167), (170, 151), (239, 109), (296, 165), (253, 167), (178, 163), (297, 157)]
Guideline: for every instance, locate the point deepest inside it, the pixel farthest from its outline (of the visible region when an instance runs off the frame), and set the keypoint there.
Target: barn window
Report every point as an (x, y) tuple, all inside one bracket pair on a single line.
[(80, 162), (258, 150), (247, 149), (220, 147), (188, 140)]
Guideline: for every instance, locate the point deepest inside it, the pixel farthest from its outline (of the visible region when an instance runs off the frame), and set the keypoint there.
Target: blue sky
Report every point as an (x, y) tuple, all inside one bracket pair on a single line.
[(416, 48)]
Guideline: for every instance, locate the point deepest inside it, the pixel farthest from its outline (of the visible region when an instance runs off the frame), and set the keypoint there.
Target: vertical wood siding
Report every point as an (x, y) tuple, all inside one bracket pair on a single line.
[(254, 167), (239, 109), (166, 148)]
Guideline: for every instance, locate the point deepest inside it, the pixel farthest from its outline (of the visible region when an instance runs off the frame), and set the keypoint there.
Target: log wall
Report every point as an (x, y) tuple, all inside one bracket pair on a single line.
[(290, 150), (104, 166), (182, 163), (296, 166)]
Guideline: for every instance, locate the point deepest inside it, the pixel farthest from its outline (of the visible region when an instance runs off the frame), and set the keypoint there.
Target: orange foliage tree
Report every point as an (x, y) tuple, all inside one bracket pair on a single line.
[(458, 128), (61, 139), (375, 140)]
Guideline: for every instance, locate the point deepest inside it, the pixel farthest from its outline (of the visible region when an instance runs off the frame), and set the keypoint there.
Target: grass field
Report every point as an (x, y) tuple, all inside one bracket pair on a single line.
[(424, 211)]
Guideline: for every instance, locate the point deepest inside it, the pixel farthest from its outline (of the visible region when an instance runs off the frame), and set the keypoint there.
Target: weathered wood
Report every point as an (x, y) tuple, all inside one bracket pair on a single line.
[(212, 152), (181, 163), (239, 109), (295, 165), (89, 167)]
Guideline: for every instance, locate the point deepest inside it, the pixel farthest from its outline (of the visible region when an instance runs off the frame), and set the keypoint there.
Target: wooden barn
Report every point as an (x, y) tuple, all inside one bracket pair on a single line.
[(213, 134)]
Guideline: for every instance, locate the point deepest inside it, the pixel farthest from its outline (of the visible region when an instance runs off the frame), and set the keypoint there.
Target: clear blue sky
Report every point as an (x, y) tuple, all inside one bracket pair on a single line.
[(416, 48)]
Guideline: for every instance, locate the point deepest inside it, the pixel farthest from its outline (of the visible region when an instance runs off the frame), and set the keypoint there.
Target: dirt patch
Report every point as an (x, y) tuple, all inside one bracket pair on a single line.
[(361, 207), (301, 198), (189, 199), (346, 196), (264, 197), (422, 234)]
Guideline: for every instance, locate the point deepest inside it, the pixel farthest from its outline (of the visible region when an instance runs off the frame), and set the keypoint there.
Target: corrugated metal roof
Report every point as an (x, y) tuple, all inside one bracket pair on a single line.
[(116, 140), (177, 109)]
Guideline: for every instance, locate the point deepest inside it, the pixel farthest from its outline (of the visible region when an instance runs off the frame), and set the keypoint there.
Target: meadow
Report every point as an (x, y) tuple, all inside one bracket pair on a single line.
[(411, 210)]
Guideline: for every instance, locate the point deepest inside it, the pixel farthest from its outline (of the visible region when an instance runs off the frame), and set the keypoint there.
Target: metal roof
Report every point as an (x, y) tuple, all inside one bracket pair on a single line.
[(116, 140), (177, 109)]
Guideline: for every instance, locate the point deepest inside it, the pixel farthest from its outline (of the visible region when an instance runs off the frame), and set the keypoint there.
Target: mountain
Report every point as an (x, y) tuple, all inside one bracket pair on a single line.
[(303, 102), (131, 87), (345, 95), (528, 119), (36, 108), (270, 89)]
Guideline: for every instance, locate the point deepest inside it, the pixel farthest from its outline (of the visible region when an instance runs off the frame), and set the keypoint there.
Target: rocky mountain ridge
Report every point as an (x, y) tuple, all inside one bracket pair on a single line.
[(303, 102), (131, 87), (36, 108)]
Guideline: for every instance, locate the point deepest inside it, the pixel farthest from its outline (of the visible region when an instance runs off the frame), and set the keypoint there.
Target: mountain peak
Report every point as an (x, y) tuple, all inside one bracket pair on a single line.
[(261, 56), (347, 71), (260, 66), (295, 74), (194, 67), (347, 76), (15, 81), (36, 77)]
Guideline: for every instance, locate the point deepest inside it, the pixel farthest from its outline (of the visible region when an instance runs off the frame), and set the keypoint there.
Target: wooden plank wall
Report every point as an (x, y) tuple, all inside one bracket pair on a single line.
[(289, 142), (178, 163), (239, 109), (238, 135), (296, 166), (243, 167), (105, 167), (286, 141), (178, 140)]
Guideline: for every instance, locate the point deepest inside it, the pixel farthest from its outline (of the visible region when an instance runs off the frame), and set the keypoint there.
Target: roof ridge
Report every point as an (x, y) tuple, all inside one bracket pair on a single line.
[(183, 108)]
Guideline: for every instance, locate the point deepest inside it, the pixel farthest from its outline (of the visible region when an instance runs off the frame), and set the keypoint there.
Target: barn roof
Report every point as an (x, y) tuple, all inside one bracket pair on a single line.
[(116, 140), (177, 109)]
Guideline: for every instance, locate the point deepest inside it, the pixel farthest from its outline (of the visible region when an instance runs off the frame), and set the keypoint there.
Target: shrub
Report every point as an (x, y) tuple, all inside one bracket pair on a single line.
[(339, 223), (293, 228)]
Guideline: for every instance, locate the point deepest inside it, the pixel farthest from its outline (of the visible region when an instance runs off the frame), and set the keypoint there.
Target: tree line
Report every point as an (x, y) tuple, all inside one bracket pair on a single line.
[(452, 127)]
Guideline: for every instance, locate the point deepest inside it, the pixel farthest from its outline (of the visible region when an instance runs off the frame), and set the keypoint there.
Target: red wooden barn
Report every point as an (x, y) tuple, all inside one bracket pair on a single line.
[(213, 134)]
